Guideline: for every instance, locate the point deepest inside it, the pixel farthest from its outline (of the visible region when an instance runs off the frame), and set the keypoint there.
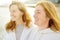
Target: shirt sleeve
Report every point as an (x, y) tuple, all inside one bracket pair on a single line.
[(8, 36), (50, 37)]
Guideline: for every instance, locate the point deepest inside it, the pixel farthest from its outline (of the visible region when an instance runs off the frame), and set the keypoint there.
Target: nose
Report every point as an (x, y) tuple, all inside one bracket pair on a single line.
[(35, 16)]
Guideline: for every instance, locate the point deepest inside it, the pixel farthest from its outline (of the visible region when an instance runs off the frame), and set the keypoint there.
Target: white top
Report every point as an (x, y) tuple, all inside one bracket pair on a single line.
[(33, 33), (18, 31), (46, 34), (24, 35)]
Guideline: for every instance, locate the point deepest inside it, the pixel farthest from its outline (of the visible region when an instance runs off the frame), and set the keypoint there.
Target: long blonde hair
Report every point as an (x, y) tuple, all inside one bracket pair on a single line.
[(26, 17), (51, 12)]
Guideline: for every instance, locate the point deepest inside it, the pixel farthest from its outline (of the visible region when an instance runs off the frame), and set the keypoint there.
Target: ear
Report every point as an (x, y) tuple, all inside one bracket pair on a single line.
[(48, 18)]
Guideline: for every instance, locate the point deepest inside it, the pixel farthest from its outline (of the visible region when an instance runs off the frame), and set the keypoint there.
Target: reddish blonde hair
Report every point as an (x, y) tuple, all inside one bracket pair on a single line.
[(26, 17), (54, 22)]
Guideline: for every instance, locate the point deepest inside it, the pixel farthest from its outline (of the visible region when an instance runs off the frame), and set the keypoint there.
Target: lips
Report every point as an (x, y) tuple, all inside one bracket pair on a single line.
[(13, 17), (36, 19)]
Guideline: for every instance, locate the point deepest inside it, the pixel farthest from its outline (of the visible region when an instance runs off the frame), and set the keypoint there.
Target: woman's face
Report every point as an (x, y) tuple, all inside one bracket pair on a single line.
[(15, 13), (40, 15)]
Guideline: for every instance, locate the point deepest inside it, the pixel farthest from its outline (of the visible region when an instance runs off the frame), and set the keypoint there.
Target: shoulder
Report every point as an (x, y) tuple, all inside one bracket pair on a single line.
[(51, 36), (8, 35), (32, 27)]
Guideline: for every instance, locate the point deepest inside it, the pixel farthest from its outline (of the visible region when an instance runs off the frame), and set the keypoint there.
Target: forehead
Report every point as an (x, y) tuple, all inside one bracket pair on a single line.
[(39, 7), (14, 7)]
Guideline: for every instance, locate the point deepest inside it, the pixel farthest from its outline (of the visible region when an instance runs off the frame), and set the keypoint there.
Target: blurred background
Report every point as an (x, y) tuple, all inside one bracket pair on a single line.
[(4, 11)]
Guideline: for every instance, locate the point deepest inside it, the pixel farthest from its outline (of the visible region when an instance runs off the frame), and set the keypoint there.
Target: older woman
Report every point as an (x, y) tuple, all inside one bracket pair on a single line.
[(47, 21)]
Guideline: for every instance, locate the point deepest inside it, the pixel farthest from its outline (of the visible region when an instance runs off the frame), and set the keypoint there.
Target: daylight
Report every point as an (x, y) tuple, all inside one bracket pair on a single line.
[(6, 17)]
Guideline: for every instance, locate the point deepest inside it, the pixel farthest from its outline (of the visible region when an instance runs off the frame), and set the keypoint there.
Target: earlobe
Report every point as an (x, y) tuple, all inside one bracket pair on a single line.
[(48, 18)]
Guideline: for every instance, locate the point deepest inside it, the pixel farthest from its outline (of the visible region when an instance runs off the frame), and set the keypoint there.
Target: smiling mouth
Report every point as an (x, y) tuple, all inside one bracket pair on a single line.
[(36, 19), (13, 16)]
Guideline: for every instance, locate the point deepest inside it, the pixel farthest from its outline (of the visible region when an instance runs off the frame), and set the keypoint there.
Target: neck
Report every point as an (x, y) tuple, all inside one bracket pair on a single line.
[(19, 22), (43, 25)]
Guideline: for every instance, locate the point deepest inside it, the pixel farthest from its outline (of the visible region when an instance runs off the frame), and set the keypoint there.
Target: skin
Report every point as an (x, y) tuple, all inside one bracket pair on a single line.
[(41, 20), (16, 15)]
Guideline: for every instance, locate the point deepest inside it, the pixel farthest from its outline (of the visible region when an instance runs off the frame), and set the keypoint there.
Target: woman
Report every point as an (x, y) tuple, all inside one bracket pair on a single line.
[(20, 22), (47, 21)]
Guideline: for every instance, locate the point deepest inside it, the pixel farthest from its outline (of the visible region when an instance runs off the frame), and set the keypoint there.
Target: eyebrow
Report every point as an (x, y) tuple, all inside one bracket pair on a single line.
[(37, 10)]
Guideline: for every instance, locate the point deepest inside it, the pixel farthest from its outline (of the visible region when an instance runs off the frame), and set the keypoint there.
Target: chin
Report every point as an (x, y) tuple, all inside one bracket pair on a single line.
[(13, 20), (35, 23)]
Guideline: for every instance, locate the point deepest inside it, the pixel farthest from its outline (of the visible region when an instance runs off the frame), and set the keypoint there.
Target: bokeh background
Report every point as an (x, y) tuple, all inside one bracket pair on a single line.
[(5, 14)]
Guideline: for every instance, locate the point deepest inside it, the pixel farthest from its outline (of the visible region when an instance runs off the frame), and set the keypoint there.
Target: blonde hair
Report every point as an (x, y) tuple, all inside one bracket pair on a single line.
[(26, 17), (51, 12)]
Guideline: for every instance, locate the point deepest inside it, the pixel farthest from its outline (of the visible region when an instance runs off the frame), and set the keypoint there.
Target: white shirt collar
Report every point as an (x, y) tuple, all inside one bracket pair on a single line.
[(48, 30)]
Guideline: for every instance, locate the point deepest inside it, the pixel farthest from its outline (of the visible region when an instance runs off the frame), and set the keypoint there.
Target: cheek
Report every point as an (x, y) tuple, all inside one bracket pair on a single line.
[(20, 13), (35, 15), (42, 18), (17, 13)]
